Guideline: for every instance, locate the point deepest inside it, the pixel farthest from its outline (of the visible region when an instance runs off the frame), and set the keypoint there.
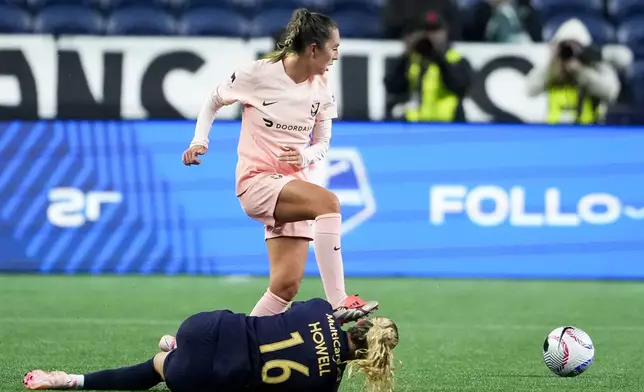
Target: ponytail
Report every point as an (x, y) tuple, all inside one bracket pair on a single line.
[(375, 340), (303, 29)]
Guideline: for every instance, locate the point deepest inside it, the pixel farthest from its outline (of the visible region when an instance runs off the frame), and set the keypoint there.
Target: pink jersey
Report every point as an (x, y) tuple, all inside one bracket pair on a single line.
[(276, 112)]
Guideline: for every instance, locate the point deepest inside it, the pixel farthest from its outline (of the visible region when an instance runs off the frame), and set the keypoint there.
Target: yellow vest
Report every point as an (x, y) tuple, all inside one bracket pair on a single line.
[(437, 104), (563, 101)]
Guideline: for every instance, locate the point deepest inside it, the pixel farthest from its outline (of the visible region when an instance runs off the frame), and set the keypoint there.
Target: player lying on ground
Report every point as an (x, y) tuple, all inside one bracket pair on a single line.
[(303, 349), (287, 110)]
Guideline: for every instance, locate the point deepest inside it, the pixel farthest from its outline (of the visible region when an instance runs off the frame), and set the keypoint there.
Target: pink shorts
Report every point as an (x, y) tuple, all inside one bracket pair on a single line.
[(259, 201)]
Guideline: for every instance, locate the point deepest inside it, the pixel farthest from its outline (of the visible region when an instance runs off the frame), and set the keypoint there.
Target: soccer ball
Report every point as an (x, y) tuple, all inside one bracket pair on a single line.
[(568, 351)]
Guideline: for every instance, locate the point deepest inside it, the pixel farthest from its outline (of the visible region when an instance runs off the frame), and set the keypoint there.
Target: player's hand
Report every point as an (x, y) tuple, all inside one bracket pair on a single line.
[(190, 156), (291, 155), (411, 40)]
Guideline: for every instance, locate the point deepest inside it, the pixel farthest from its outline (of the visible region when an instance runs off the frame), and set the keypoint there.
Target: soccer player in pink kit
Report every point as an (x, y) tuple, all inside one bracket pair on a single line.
[(286, 126)]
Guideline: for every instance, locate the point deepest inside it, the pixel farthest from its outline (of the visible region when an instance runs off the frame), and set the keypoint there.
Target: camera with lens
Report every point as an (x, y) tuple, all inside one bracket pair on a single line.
[(567, 51), (588, 55), (424, 47)]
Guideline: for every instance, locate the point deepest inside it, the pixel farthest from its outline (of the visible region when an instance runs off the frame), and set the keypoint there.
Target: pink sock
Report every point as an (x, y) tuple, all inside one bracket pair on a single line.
[(269, 305), (326, 243)]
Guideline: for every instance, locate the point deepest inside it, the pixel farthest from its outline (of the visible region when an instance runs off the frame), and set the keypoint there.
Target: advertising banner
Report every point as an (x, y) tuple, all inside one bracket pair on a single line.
[(100, 78), (417, 200)]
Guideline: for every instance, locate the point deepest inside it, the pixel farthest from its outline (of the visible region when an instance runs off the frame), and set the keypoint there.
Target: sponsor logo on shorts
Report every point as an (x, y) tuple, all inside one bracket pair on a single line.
[(276, 176)]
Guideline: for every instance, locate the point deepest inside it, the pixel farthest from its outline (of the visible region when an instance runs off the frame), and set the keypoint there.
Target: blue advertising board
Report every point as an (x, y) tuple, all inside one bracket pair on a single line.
[(417, 200)]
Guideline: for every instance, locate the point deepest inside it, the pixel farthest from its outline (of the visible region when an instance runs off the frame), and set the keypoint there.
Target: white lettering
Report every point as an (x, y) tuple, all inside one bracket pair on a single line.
[(445, 199), (501, 205), (71, 207), (518, 215), (554, 216), (612, 204), (510, 206)]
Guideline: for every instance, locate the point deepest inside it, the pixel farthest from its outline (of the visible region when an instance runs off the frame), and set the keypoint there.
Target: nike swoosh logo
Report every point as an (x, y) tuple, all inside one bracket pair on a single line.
[(337, 247), (264, 103)]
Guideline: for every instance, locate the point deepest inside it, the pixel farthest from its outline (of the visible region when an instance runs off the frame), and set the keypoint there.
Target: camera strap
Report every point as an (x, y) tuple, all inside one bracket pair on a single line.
[(581, 97)]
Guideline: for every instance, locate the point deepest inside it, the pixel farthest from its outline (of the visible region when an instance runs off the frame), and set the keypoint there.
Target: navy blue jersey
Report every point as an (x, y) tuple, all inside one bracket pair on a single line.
[(300, 350)]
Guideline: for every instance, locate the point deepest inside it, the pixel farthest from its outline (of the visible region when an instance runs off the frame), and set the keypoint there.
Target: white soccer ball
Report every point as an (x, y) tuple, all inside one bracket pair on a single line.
[(568, 351)]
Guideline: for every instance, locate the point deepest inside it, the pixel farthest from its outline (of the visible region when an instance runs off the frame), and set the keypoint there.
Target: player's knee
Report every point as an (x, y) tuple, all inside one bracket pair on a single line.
[(327, 203), (286, 288)]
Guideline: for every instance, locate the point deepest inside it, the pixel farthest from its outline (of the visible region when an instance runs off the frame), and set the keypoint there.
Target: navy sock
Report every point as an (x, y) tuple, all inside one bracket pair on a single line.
[(132, 378)]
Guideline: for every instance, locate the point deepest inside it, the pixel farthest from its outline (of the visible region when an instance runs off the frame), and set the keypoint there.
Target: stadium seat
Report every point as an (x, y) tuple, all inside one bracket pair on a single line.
[(116, 4), (213, 22), (369, 6), (39, 4), (247, 8), (269, 22), (621, 10), (141, 21), (232, 4), (600, 29), (636, 81), (311, 5), (631, 34), (69, 19), (550, 8), (324, 6), (14, 20), (16, 3), (276, 5), (355, 24)]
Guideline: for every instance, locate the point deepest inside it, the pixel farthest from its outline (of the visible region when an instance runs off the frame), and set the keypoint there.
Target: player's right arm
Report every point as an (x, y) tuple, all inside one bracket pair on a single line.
[(235, 88)]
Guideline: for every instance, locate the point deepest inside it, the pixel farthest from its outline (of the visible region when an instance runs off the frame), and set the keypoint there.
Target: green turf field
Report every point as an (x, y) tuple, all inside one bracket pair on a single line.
[(460, 335)]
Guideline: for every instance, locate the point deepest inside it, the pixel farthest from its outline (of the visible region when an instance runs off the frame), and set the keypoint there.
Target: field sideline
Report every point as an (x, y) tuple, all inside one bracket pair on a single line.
[(456, 335)]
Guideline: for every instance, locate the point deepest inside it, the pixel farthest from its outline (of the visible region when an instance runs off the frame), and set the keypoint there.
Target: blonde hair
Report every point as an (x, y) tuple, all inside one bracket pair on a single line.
[(303, 29), (375, 340)]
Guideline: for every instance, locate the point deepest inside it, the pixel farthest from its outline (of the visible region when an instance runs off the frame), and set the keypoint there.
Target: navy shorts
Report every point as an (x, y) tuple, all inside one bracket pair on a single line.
[(211, 354), (189, 366)]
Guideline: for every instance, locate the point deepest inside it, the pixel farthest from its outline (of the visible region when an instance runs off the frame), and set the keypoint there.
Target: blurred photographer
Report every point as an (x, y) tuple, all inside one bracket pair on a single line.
[(580, 84), (429, 81)]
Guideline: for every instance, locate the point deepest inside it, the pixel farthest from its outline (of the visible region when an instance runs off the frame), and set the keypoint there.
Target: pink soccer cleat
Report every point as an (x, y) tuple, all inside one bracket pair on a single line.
[(167, 343), (40, 379), (353, 309)]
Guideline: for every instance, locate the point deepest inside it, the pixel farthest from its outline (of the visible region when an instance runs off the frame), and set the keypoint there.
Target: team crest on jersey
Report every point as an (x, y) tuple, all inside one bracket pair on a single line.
[(315, 108), (343, 172)]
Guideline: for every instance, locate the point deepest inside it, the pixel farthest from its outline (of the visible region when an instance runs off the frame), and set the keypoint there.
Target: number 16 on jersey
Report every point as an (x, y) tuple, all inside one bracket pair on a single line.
[(285, 365)]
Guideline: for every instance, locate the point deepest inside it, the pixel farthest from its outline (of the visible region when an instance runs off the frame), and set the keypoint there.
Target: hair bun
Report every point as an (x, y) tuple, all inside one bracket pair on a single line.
[(388, 331), (303, 13)]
